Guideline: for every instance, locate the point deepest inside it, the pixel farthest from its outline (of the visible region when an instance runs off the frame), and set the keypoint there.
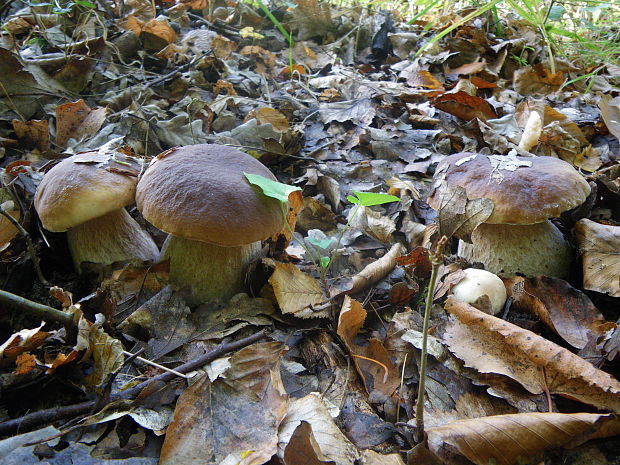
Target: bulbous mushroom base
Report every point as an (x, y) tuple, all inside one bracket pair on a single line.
[(110, 238), (211, 271), (532, 250)]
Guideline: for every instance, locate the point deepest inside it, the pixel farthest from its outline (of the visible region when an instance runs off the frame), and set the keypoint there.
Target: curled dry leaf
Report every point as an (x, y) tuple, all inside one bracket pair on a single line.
[(515, 438), (491, 345), (564, 309), (235, 417), (599, 245), (371, 361), (20, 342), (296, 292), (375, 271)]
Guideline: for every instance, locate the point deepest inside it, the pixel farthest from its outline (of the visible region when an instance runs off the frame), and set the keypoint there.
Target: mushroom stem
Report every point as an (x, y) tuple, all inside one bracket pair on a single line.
[(211, 271), (110, 238), (532, 249)]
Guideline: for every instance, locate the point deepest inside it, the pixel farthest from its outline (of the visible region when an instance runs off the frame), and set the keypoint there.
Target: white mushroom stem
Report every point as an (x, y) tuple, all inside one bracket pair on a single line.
[(110, 238), (210, 271), (532, 250)]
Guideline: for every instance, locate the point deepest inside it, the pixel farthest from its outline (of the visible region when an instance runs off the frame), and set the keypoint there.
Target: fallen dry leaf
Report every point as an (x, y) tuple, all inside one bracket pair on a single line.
[(531, 80), (75, 120), (332, 443), (235, 417), (491, 345), (599, 245), (371, 361), (456, 214), (375, 271), (296, 292), (515, 438), (564, 309), (33, 133), (302, 448), (464, 106), (610, 112), (22, 341), (107, 353)]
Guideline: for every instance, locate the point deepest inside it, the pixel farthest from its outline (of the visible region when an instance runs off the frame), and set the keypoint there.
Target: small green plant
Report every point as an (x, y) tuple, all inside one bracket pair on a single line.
[(519, 58), (59, 8), (279, 191)]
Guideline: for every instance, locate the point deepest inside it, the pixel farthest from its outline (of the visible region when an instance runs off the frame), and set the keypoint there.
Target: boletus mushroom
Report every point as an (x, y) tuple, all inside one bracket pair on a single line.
[(85, 195), (215, 219), (526, 192), (480, 283)]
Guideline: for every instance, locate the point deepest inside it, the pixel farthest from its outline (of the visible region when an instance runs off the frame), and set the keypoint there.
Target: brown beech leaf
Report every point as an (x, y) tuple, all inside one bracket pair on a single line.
[(491, 345), (464, 106), (296, 292), (532, 80), (599, 245), (564, 309), (234, 417), (20, 342), (295, 206), (421, 78), (75, 120), (468, 68), (418, 262), (25, 363), (514, 438), (371, 361), (33, 133)]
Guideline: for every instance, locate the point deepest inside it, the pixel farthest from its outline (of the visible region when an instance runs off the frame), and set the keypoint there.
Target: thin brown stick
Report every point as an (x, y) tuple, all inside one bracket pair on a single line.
[(31, 420), (385, 368)]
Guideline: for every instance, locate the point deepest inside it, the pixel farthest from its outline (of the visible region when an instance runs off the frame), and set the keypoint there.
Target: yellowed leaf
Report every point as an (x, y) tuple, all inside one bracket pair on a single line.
[(296, 292)]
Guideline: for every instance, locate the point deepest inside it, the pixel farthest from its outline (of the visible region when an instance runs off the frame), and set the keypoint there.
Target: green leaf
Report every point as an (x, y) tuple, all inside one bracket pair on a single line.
[(324, 262), (320, 243), (273, 189), (368, 199), (85, 4)]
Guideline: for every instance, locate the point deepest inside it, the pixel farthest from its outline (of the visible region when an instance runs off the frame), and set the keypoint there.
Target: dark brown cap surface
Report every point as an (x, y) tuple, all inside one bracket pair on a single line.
[(199, 192), (83, 187), (524, 190)]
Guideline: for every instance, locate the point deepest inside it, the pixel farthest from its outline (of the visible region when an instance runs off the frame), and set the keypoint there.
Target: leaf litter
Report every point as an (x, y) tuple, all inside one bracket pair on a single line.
[(345, 123)]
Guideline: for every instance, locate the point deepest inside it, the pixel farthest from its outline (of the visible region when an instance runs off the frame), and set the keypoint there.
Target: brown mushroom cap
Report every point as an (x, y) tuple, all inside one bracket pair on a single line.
[(199, 192), (83, 187), (525, 195)]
